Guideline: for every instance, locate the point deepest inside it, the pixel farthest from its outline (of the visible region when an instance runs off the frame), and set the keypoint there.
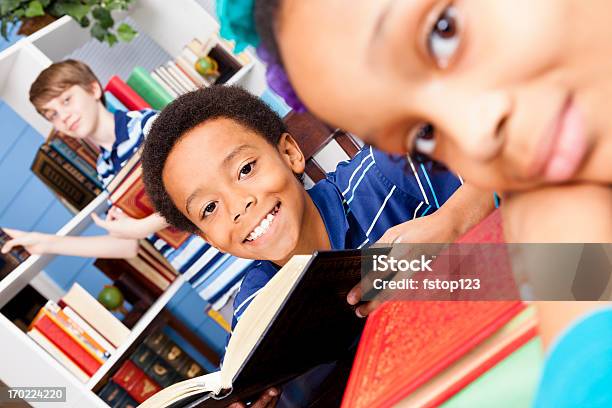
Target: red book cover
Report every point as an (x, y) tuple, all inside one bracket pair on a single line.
[(67, 345), (406, 344), (132, 379), (135, 203), (125, 94)]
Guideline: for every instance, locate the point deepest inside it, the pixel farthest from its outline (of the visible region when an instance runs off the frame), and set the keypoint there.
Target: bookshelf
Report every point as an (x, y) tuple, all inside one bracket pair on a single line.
[(169, 24)]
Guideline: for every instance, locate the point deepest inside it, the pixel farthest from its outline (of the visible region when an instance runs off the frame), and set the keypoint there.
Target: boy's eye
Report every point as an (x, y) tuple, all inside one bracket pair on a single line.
[(443, 38), (423, 143), (246, 169), (66, 100), (208, 209)]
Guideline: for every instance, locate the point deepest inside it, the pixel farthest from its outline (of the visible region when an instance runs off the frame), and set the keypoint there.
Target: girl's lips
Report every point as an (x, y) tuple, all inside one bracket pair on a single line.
[(562, 152)]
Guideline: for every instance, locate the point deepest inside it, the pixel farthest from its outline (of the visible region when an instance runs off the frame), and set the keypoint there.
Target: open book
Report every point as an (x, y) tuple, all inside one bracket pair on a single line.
[(299, 320)]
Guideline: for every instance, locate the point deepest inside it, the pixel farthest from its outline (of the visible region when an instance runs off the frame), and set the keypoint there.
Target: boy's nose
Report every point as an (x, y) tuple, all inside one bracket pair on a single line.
[(242, 211)]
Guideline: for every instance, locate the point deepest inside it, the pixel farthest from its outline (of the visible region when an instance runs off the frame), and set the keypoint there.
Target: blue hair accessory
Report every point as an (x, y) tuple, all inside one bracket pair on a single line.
[(237, 22)]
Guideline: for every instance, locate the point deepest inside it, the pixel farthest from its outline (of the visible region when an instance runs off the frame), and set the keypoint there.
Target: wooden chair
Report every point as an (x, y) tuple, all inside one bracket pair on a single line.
[(313, 135)]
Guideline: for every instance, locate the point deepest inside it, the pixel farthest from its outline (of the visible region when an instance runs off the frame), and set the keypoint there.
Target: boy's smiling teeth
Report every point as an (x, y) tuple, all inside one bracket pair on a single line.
[(264, 225)]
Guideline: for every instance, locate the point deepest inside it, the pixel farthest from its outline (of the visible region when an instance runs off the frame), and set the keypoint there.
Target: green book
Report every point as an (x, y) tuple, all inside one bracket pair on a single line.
[(141, 81), (511, 383)]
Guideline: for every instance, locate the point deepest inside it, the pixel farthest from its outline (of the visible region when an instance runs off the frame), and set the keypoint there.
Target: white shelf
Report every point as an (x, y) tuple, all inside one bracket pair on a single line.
[(25, 363)]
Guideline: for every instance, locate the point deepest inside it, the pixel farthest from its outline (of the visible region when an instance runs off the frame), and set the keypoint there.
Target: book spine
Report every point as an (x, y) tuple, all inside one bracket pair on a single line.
[(137, 384), (180, 76), (63, 322), (76, 174), (56, 353), (81, 148), (112, 394), (149, 273), (158, 266), (67, 345), (161, 372), (164, 85), (91, 332), (78, 162), (125, 94), (90, 310), (140, 81), (163, 72), (174, 237), (163, 75), (190, 71), (60, 181)]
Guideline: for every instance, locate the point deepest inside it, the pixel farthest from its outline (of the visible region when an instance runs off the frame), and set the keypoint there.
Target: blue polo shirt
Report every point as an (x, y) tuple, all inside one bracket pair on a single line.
[(359, 202)]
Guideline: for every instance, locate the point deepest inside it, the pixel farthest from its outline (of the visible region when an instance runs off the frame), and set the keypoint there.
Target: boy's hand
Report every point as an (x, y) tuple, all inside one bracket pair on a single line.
[(267, 399), (434, 228), (120, 225), (34, 242)]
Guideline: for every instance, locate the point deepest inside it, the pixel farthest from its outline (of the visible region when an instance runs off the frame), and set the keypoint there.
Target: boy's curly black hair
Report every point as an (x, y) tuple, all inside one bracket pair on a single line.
[(187, 112)]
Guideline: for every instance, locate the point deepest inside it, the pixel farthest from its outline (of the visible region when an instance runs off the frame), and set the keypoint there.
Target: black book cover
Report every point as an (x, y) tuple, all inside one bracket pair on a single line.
[(314, 325)]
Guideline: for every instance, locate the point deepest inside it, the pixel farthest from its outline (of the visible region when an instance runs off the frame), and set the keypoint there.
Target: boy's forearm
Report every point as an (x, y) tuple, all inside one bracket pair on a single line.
[(467, 207), (104, 246)]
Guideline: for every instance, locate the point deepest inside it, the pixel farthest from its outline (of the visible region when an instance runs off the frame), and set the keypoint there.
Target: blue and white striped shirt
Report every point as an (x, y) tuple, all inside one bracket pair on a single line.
[(131, 128), (359, 202)]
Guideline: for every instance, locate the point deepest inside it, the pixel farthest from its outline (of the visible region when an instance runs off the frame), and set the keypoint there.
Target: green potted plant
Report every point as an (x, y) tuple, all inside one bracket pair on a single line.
[(35, 14)]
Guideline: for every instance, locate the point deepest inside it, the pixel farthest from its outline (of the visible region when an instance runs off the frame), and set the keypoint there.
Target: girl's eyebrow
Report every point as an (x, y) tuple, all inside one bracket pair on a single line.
[(380, 23)]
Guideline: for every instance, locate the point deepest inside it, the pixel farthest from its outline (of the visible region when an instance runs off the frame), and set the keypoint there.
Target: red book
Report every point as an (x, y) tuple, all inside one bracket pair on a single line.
[(132, 379), (67, 345), (131, 197), (406, 344), (125, 94)]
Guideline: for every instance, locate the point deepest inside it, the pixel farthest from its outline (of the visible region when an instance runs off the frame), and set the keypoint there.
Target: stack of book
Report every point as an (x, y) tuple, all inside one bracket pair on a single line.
[(152, 270), (13, 258), (127, 193), (157, 363), (78, 332), (68, 167)]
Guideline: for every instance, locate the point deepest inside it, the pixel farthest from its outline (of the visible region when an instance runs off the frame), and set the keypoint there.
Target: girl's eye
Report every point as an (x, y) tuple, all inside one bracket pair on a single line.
[(424, 141), (210, 207), (246, 169), (443, 38)]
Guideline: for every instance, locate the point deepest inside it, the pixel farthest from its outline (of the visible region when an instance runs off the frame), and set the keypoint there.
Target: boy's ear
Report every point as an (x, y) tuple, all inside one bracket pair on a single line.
[(96, 90), (292, 154)]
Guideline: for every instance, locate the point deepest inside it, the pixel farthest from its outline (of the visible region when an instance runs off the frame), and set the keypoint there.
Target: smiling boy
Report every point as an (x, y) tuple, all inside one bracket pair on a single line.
[(70, 97), (218, 162)]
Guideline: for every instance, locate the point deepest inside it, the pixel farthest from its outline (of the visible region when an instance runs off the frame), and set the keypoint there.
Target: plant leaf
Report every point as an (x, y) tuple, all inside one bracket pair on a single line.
[(111, 39), (126, 32), (74, 10), (103, 16), (34, 9), (98, 32)]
